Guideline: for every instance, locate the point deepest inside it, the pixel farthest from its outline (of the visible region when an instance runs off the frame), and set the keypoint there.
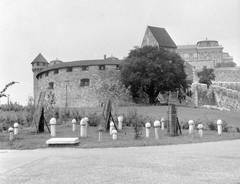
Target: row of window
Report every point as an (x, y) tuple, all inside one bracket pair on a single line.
[(70, 69), (83, 82)]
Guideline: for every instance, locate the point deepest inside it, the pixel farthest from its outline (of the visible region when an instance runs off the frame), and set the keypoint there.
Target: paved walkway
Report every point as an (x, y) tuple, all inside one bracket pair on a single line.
[(215, 162)]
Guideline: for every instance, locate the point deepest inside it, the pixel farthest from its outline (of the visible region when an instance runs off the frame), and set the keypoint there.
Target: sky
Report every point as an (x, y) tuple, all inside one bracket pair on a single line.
[(87, 29)]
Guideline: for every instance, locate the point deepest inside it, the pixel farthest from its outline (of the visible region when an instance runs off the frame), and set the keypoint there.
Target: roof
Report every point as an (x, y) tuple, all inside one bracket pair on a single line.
[(162, 37), (39, 59), (81, 63), (57, 60), (187, 46)]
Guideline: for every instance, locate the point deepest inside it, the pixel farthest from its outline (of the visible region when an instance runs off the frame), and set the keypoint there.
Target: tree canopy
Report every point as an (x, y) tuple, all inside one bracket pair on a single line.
[(151, 70), (206, 76)]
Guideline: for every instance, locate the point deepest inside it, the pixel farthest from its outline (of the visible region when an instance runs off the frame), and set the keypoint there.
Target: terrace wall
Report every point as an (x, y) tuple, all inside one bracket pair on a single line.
[(223, 95)]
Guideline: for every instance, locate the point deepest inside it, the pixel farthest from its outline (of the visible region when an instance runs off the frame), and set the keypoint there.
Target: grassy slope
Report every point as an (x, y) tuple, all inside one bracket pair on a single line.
[(25, 140)]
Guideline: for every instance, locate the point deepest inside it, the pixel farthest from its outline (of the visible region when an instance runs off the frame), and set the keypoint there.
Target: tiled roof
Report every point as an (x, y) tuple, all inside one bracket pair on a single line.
[(187, 46), (39, 59), (81, 63), (162, 37)]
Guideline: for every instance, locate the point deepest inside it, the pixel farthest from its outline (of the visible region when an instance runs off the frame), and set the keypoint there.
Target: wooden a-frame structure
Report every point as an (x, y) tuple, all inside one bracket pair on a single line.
[(38, 118)]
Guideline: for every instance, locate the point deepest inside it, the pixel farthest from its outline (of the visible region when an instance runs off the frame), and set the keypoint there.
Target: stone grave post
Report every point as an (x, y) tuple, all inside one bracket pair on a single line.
[(219, 126), (156, 126), (148, 126), (53, 123), (10, 130), (15, 128)]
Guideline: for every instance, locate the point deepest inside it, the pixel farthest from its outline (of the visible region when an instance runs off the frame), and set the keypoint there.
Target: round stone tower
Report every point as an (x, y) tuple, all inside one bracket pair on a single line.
[(38, 64)]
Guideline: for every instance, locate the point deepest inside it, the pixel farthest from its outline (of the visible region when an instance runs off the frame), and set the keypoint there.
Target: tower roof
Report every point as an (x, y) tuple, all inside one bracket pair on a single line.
[(39, 59), (162, 37)]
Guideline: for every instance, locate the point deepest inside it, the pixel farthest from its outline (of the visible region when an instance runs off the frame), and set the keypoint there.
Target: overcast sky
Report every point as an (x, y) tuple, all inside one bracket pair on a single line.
[(87, 29)]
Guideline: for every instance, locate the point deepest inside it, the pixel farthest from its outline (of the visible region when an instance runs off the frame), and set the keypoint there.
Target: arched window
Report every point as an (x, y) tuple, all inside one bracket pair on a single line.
[(101, 67), (84, 82), (50, 85)]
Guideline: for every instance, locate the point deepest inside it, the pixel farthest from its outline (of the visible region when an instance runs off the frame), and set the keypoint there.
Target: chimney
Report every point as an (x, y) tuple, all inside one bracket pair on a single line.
[(105, 57)]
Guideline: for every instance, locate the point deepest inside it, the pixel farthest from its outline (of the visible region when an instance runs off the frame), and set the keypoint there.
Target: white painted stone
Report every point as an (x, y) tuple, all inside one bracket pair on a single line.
[(15, 128), (191, 126), (156, 127), (74, 122), (10, 130), (200, 130), (83, 127), (114, 134), (163, 123), (111, 128), (63, 141), (219, 126), (53, 123), (148, 126), (120, 120)]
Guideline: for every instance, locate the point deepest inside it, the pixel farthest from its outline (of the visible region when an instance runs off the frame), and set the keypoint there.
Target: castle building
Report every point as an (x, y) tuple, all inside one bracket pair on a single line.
[(205, 53), (71, 82), (156, 36), (159, 37)]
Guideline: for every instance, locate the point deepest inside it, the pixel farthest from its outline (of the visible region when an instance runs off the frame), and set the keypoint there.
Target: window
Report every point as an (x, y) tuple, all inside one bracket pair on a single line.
[(101, 67), (46, 74), (84, 82), (55, 72), (117, 67), (50, 85), (37, 64), (69, 69), (84, 68)]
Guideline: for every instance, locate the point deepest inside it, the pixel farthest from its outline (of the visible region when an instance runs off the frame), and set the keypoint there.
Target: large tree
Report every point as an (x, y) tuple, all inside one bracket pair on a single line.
[(206, 76), (151, 70)]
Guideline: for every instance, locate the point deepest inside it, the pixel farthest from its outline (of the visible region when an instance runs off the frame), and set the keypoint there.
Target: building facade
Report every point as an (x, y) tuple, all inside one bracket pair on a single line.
[(205, 53), (71, 82)]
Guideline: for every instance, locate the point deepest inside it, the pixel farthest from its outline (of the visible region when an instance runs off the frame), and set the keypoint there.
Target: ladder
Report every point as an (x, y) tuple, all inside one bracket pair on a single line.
[(38, 111)]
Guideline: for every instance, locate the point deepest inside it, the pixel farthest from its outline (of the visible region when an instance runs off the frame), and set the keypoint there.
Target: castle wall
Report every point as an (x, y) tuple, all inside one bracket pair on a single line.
[(219, 95), (231, 74), (66, 85)]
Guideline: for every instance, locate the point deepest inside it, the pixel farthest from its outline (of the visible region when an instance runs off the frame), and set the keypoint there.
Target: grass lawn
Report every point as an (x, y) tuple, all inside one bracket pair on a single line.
[(26, 140)]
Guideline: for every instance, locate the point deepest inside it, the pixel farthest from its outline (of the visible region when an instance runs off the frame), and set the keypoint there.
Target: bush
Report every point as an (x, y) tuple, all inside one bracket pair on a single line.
[(138, 123), (20, 119), (211, 125), (185, 125), (225, 126), (238, 129), (94, 119), (75, 114)]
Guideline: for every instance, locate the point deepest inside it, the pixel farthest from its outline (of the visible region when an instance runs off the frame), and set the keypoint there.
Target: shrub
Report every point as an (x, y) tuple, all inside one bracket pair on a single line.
[(20, 119), (94, 119), (138, 123), (211, 125), (238, 129), (185, 125), (75, 114), (130, 117), (225, 126), (29, 109)]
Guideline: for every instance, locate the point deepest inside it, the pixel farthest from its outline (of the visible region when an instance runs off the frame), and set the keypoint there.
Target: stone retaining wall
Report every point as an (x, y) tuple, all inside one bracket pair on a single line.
[(221, 95)]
